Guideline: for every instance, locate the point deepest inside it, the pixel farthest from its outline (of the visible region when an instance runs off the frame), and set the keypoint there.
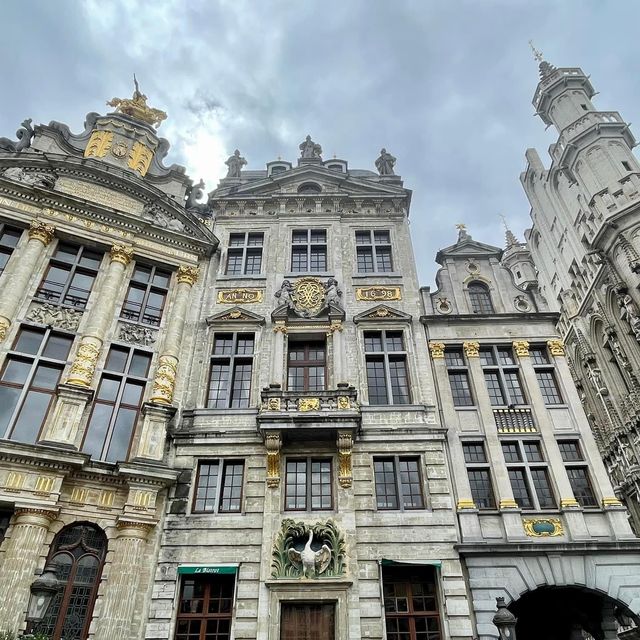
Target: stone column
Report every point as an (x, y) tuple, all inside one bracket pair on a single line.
[(117, 613), (23, 550), (335, 330), (277, 364), (40, 235), (100, 318), (568, 503), (165, 378), (506, 502)]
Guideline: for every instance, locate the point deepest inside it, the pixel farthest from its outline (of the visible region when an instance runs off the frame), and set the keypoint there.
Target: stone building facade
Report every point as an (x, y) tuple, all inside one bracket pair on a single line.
[(242, 418), (585, 241)]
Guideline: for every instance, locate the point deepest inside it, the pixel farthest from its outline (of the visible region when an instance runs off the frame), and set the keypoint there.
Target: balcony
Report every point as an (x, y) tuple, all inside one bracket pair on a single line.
[(514, 421), (309, 415)]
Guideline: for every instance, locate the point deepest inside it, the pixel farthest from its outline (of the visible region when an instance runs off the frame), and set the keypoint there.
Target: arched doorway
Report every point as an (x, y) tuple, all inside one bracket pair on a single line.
[(567, 613), (78, 552)]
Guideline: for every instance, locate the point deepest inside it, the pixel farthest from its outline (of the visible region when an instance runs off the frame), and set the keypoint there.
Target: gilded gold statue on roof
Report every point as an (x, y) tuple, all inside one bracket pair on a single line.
[(136, 107)]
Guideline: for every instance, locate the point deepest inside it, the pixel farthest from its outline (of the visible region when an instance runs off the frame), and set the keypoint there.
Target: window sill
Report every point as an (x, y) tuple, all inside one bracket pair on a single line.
[(226, 278), (203, 411), (370, 408)]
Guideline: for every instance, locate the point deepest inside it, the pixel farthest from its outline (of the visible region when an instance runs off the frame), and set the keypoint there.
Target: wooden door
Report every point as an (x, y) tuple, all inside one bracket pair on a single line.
[(307, 621)]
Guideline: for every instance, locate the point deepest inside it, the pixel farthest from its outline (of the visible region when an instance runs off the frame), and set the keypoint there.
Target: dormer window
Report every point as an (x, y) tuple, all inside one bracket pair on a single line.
[(480, 298), (278, 169), (309, 187), (277, 166), (335, 167)]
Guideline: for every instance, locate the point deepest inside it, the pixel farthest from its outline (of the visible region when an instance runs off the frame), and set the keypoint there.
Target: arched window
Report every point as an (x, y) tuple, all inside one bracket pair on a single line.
[(480, 298), (78, 552)]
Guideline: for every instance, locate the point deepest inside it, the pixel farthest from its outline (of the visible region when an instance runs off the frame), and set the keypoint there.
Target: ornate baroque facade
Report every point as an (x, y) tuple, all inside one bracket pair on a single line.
[(244, 418)]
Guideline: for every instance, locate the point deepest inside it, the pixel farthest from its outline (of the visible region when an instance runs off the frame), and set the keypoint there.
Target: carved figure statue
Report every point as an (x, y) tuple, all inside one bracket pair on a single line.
[(235, 164), (194, 193), (286, 294), (161, 219), (35, 179), (24, 135), (333, 293), (631, 314), (136, 107), (313, 562), (385, 163), (595, 377), (310, 149)]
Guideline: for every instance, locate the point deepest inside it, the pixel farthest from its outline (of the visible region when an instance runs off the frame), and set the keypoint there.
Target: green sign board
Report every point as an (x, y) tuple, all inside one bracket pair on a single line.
[(208, 569)]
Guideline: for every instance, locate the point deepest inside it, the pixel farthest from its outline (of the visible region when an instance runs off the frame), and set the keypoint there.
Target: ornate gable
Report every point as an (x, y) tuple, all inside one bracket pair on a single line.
[(235, 314), (382, 313)]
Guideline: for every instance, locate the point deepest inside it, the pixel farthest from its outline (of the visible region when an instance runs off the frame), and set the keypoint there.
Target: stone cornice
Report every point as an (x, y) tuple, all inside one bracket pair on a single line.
[(545, 316), (33, 455), (507, 548)]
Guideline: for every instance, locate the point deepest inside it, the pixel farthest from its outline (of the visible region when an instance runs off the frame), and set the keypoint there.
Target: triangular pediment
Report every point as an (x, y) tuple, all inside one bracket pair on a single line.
[(331, 182), (382, 313), (235, 314), (468, 248)]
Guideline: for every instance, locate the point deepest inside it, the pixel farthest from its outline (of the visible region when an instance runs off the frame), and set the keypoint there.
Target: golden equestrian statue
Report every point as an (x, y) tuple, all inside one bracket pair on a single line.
[(137, 108)]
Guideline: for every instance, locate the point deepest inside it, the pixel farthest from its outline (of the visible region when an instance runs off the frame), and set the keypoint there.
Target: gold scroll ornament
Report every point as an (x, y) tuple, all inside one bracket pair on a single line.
[(345, 447), (98, 145), (273, 443), (140, 158), (240, 296), (378, 293), (309, 295)]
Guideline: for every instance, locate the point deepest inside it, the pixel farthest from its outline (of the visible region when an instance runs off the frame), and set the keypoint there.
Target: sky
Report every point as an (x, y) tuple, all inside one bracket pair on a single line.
[(445, 86)]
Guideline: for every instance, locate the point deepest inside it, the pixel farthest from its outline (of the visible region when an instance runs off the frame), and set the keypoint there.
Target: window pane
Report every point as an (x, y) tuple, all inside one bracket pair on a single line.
[(381, 237), (373, 341), (474, 452), (139, 365), (514, 390), (494, 389), (234, 262), (486, 357), (10, 237), (58, 347), (521, 492), (363, 237), (54, 282), (376, 382), (570, 450), (542, 487), (205, 499), (460, 389), (46, 377), (16, 371), (480, 298), (141, 274), (296, 485), (481, 490), (394, 341), (318, 259), (533, 451), (236, 239), (548, 387), (108, 389), (245, 344), (66, 253), (511, 452), (29, 341), (453, 357), (299, 259), (410, 483), (161, 278), (385, 477), (90, 259), (31, 417), (223, 344), (539, 355), (79, 289), (383, 258), (117, 359), (255, 239), (232, 486), (132, 393), (254, 261), (579, 479), (399, 380), (318, 236), (119, 445), (320, 484), (241, 384), (365, 259), (97, 429), (219, 384), (8, 400), (300, 236), (505, 356)]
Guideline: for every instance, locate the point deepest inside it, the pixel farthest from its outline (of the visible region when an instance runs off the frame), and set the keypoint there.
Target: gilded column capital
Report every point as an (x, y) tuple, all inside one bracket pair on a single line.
[(471, 348), (41, 231), (280, 327), (336, 325), (188, 274), (521, 347), (436, 349), (121, 253), (165, 380), (35, 515), (556, 347)]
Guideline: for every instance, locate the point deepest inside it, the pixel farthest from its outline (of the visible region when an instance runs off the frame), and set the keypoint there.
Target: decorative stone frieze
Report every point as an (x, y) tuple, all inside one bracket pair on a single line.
[(137, 334), (55, 316)]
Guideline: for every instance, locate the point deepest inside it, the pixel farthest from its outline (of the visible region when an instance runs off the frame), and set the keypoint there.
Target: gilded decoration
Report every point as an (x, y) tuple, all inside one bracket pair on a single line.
[(309, 404), (121, 253), (240, 296), (466, 504), (280, 327), (508, 503), (313, 551), (569, 503), (543, 527), (273, 443), (55, 316), (165, 380), (14, 482), (436, 349), (345, 447), (611, 502), (41, 231), (309, 295), (44, 484), (4, 327), (119, 149), (140, 158), (521, 347), (84, 364), (336, 325), (187, 274), (471, 348), (556, 347), (136, 107), (344, 402), (378, 293), (99, 144)]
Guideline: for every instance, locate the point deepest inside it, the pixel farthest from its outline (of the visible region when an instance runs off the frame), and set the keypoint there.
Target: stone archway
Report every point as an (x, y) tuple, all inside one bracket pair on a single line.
[(568, 613)]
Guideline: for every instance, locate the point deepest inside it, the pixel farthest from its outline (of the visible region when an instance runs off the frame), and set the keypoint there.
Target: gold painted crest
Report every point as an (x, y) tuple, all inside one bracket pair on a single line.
[(309, 295)]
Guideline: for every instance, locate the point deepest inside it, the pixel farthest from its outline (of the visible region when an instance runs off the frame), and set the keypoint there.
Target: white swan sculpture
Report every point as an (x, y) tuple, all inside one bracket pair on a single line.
[(313, 562)]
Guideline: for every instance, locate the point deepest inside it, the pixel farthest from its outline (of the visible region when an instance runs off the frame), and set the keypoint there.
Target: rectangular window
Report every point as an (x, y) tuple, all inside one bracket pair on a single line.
[(475, 459), (70, 275), (373, 251), (306, 366), (578, 473), (9, 238), (309, 250), (219, 495), (117, 404), (308, 484), (411, 608), (230, 371), (546, 376), (147, 295), (398, 483), (206, 607), (458, 377), (529, 474), (244, 256), (30, 375), (386, 362), (502, 376)]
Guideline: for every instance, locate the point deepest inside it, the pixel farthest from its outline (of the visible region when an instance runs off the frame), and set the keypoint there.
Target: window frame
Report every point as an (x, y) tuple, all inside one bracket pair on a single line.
[(396, 459), (387, 355), (148, 288), (306, 365), (222, 464), (243, 250), (234, 359), (308, 494), (7, 249), (456, 369), (74, 267), (582, 465), (483, 466), (543, 364), (372, 245), (309, 244), (501, 370), (477, 305), (526, 467)]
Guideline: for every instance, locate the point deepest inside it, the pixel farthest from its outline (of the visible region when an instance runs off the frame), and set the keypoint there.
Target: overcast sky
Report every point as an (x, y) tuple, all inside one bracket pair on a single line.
[(445, 86)]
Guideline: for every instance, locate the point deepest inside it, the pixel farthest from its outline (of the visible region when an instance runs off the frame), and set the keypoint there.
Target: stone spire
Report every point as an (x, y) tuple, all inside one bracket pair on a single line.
[(510, 238), (544, 67)]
